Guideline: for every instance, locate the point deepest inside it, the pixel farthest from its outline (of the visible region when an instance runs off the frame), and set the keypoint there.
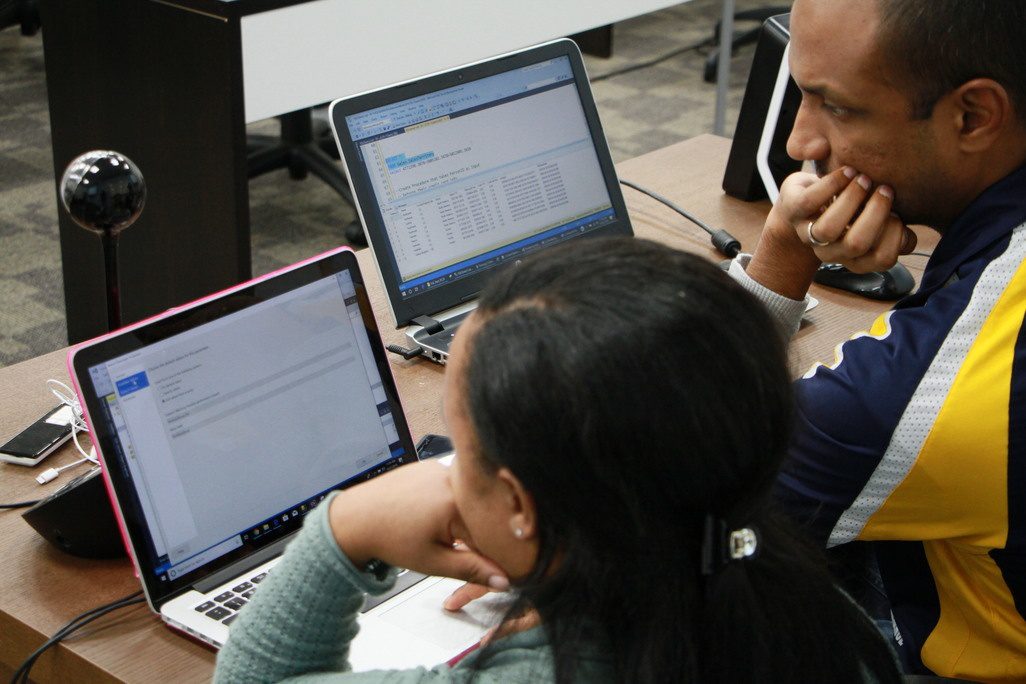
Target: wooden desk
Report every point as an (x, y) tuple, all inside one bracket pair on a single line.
[(41, 588), (172, 84)]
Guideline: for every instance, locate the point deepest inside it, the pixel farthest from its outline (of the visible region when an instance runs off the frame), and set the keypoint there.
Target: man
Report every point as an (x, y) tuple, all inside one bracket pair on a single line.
[(914, 112)]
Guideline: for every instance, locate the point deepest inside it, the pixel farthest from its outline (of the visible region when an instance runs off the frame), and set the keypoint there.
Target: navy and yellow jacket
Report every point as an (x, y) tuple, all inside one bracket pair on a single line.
[(915, 439)]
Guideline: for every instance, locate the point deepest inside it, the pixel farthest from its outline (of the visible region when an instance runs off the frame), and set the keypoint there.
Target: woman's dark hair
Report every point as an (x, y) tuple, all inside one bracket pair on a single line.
[(634, 390)]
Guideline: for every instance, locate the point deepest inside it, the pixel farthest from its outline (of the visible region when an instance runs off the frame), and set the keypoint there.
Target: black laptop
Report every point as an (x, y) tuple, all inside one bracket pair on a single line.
[(464, 172)]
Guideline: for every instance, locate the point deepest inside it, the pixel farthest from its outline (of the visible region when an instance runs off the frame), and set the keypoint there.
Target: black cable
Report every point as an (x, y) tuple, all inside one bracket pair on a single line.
[(21, 675), (21, 504), (922, 254), (725, 243), (651, 62), (76, 623), (659, 198), (404, 352)]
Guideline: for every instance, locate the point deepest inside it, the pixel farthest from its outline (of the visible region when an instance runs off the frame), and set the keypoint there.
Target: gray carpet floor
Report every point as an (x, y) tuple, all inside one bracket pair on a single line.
[(641, 110)]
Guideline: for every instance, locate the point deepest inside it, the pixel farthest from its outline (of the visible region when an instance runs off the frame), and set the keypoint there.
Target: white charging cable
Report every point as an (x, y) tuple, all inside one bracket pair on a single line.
[(51, 474), (67, 397)]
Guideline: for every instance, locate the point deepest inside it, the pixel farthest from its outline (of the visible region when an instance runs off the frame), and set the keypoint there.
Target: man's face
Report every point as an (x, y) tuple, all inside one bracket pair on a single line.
[(853, 113)]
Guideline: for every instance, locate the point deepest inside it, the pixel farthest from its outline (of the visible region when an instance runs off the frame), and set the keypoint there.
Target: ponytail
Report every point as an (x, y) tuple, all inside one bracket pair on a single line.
[(778, 616)]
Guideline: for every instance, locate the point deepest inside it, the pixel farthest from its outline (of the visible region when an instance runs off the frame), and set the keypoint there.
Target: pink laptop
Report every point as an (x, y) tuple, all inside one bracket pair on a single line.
[(221, 424)]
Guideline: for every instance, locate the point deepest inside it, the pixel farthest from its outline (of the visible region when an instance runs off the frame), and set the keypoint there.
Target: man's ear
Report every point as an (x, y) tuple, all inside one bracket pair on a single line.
[(519, 505), (983, 112)]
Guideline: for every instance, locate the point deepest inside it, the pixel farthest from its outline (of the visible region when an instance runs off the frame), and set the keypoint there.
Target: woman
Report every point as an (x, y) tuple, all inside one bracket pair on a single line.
[(619, 410)]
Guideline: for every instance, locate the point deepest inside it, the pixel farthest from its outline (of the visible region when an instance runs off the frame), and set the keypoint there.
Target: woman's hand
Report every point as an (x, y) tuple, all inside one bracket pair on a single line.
[(408, 518), (464, 595), (471, 592)]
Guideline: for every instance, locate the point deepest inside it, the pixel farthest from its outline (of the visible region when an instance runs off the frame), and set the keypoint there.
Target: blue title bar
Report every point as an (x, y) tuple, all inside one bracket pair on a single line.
[(471, 95)]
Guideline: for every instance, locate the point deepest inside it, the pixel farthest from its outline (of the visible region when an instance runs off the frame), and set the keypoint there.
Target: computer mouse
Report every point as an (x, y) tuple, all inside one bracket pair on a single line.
[(894, 283)]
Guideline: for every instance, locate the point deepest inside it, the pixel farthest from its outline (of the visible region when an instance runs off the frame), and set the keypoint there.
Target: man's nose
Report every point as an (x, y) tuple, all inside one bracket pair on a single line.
[(805, 141)]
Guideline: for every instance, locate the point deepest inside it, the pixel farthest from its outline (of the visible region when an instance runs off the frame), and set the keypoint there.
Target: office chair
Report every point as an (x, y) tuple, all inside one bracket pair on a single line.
[(740, 38), (23, 12), (303, 148)]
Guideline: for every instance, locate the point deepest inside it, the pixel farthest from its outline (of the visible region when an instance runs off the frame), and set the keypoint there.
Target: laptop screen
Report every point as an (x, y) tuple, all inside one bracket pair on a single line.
[(230, 422), (476, 169)]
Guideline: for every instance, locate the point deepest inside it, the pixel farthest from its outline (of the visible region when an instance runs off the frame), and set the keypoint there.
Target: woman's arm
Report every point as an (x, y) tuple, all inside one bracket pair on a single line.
[(303, 618), (304, 615)]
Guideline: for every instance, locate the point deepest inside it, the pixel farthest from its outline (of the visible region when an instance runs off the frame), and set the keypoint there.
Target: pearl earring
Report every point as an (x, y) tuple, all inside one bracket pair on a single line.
[(518, 532)]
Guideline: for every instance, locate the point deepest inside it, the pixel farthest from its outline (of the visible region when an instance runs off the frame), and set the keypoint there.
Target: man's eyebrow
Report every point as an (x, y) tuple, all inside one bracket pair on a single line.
[(825, 93), (817, 90)]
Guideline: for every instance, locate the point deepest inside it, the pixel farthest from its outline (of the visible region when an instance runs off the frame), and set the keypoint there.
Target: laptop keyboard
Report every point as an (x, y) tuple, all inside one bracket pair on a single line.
[(225, 606)]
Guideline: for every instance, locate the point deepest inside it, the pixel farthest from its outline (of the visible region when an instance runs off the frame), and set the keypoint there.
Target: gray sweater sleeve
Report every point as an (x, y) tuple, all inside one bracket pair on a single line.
[(787, 312), (304, 615), (300, 623)]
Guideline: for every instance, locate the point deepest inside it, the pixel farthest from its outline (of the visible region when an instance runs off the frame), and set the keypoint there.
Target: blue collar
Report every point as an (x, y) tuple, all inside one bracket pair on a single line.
[(988, 220)]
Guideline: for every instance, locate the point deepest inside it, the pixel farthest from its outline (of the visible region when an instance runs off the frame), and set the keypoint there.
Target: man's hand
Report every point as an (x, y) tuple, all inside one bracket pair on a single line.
[(408, 518), (850, 217), (838, 218)]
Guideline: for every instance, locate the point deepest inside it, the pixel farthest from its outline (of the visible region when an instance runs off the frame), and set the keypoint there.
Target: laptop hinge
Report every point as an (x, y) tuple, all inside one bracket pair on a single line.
[(431, 325), (239, 567)]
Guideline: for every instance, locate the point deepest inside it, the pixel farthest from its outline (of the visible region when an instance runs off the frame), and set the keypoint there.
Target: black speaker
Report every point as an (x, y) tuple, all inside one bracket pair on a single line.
[(758, 161), (78, 519)]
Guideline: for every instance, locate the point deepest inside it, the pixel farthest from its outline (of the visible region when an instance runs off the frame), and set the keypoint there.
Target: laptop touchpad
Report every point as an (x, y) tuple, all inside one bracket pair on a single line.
[(419, 611)]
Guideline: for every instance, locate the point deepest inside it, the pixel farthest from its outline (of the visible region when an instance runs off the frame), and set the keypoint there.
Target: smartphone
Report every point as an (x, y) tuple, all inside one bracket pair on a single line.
[(40, 439), (433, 446)]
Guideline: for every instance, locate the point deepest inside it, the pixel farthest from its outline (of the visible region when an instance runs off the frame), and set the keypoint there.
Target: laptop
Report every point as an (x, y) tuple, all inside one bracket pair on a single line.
[(223, 423), (459, 174)]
